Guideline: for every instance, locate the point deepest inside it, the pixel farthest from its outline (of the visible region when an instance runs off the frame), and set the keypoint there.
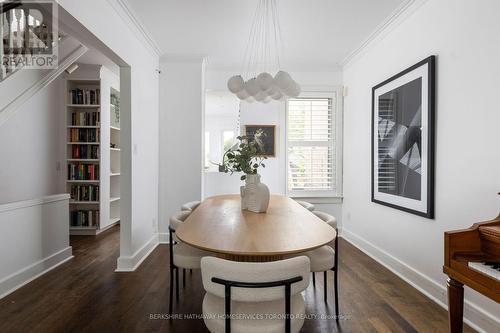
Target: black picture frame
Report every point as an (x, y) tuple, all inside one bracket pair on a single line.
[(386, 190)]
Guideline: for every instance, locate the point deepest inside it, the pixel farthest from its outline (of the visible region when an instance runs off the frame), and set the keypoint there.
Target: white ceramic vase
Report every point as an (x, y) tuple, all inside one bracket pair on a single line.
[(254, 195)]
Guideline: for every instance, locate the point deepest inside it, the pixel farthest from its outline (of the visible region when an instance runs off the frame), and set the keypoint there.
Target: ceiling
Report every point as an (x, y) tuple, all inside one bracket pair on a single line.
[(317, 34)]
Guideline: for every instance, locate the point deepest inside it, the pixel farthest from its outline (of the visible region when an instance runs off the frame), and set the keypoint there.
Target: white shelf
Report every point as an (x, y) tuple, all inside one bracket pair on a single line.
[(115, 149), (83, 143), (113, 220), (92, 106), (82, 126), (114, 128), (113, 199), (82, 181), (114, 174), (82, 228), (84, 202), (83, 160)]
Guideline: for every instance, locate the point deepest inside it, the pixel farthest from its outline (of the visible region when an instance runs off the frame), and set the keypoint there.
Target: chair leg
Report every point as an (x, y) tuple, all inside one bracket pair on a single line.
[(191, 271), (177, 284), (314, 279), (325, 285), (171, 294), (183, 278), (336, 291)]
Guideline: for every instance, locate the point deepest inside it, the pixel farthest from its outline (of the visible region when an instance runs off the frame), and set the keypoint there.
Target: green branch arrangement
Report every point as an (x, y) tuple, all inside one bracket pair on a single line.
[(245, 158)]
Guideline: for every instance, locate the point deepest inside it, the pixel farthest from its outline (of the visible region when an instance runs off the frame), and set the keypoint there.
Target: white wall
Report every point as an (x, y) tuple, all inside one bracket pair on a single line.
[(464, 36), (32, 148), (115, 35), (181, 134), (34, 238)]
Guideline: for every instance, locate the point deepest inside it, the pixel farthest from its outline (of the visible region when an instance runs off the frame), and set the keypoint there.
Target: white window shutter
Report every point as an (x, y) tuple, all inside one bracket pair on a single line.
[(311, 145)]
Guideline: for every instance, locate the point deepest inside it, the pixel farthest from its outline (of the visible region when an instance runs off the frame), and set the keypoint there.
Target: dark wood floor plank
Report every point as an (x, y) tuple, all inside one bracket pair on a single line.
[(86, 295)]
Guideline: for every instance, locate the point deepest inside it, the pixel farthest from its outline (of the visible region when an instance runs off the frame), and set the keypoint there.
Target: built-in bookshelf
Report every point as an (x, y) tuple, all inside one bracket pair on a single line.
[(114, 166), (91, 166)]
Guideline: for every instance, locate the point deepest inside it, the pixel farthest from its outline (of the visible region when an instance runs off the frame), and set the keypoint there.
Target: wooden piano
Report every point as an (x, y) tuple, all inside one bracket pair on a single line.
[(471, 257)]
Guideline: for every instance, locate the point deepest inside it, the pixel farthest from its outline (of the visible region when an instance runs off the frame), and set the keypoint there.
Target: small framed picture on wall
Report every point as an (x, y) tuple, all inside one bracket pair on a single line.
[(403, 114), (265, 138)]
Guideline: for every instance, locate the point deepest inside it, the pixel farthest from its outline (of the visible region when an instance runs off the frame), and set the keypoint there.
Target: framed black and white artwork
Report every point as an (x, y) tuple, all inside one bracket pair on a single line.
[(403, 140)]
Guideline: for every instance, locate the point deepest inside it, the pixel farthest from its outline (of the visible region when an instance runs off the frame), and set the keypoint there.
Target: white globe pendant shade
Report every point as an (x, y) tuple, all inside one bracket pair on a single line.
[(296, 90), (265, 81), (277, 95), (252, 87), (260, 96), (293, 90), (271, 91), (243, 95), (264, 87), (235, 84), (283, 80)]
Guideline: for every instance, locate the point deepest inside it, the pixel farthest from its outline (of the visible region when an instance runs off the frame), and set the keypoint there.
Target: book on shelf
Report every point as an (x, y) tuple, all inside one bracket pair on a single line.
[(84, 192), (84, 218), (85, 152), (85, 96), (80, 171), (84, 135), (82, 118)]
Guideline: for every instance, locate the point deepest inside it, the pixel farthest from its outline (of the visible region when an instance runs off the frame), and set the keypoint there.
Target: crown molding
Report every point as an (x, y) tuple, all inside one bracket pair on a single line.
[(178, 57), (398, 16), (291, 67), (128, 15)]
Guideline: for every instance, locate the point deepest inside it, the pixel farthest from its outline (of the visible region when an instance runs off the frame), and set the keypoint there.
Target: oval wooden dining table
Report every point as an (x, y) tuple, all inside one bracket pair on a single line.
[(220, 226)]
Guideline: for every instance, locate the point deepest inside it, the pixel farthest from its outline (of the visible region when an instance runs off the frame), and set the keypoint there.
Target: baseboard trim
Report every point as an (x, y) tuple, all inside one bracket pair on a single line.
[(130, 264), (24, 276), (475, 316)]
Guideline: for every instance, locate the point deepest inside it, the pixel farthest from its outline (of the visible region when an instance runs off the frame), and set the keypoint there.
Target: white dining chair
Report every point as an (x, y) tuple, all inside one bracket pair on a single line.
[(244, 297), (325, 259), (307, 205), (181, 255), (190, 206)]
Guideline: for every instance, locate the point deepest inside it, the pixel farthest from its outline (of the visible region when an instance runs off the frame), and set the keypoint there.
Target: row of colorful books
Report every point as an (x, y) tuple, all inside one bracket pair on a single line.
[(78, 171), (84, 218), (85, 96), (82, 118), (85, 192), (84, 135), (85, 151)]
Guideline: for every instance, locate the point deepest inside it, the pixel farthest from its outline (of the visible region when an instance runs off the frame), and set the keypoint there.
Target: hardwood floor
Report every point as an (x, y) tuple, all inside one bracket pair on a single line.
[(86, 295)]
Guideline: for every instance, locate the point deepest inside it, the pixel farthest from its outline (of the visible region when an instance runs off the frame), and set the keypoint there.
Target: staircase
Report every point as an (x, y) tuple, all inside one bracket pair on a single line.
[(28, 33)]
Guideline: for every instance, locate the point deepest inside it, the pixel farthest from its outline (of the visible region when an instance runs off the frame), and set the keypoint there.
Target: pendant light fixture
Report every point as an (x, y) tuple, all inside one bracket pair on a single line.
[(262, 57)]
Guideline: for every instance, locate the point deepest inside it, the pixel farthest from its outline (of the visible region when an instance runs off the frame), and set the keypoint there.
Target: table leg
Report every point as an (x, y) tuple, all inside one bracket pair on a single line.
[(455, 305)]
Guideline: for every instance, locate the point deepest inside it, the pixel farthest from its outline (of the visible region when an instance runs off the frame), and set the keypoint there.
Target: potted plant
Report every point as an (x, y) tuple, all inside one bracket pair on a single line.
[(244, 157)]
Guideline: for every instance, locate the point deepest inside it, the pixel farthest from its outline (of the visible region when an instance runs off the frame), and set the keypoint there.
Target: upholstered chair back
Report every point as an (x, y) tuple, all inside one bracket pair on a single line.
[(190, 206), (178, 218), (331, 220), (251, 272)]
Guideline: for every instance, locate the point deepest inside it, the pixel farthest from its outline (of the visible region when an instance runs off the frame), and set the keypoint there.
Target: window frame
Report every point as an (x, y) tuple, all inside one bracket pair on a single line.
[(336, 93)]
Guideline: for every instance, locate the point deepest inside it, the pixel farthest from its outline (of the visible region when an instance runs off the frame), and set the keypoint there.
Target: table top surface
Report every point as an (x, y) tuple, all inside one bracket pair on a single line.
[(219, 225)]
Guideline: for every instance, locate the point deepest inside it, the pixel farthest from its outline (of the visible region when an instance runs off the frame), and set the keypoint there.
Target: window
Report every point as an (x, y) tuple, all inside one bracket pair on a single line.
[(227, 140), (313, 137)]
